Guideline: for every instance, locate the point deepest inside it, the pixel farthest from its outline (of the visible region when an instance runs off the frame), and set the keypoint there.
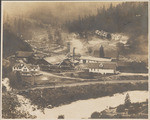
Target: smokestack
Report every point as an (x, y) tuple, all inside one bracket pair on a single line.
[(68, 47), (74, 52)]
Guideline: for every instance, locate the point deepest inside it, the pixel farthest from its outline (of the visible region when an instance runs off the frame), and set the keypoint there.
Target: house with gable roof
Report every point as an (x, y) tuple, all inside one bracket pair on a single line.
[(21, 67)]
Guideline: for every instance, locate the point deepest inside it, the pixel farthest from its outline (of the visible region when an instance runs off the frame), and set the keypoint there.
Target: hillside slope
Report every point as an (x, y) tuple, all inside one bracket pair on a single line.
[(12, 43)]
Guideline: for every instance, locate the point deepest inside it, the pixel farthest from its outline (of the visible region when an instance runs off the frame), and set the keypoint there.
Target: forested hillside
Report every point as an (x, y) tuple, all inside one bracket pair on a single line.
[(12, 43), (129, 17), (15, 31), (126, 17)]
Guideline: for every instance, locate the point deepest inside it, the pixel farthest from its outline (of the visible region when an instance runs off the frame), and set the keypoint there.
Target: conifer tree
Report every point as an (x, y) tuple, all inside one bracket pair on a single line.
[(127, 100), (101, 50)]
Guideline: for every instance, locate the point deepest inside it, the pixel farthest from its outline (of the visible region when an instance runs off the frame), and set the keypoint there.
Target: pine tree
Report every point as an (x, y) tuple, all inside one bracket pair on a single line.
[(127, 100), (58, 37), (101, 52)]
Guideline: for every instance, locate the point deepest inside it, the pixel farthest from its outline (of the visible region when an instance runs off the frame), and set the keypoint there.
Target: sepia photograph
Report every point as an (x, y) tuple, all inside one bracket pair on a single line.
[(74, 60)]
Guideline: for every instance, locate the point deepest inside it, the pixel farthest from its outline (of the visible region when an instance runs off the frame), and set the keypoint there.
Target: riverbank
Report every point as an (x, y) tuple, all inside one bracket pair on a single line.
[(65, 95), (133, 110), (86, 107), (13, 107)]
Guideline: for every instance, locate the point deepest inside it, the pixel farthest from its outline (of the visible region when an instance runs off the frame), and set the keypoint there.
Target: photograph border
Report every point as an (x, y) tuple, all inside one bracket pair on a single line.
[(76, 1)]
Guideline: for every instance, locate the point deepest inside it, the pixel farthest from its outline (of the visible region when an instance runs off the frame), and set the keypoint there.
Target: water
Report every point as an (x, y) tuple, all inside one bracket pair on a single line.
[(84, 108)]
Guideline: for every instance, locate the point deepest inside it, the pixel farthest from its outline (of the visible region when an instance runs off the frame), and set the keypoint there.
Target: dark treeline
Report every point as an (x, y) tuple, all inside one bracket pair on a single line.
[(44, 16), (127, 17)]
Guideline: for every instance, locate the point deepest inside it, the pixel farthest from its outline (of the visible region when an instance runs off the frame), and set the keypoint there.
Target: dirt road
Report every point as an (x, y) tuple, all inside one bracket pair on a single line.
[(65, 77), (133, 74)]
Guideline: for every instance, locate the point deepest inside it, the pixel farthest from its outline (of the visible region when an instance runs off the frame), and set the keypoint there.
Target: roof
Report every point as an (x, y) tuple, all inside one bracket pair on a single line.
[(21, 65), (32, 66), (122, 63), (102, 65), (94, 58), (55, 59), (24, 54)]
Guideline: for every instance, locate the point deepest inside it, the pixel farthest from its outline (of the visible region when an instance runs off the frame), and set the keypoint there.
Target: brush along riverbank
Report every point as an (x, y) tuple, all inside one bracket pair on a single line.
[(65, 95)]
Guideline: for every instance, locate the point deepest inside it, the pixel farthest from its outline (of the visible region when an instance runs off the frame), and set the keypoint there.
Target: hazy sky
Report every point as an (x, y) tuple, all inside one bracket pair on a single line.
[(62, 10)]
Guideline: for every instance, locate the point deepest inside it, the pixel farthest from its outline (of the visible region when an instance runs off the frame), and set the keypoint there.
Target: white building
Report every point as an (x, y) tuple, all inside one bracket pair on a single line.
[(25, 67), (103, 67)]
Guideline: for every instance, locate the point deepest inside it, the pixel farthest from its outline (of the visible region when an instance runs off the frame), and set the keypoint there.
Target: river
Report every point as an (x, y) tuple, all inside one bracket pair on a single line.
[(84, 108)]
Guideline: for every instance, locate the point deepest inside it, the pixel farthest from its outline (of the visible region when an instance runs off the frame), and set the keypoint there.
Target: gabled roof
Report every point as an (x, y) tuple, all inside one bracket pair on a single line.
[(23, 54), (102, 65), (94, 58), (21, 65), (55, 59), (32, 66)]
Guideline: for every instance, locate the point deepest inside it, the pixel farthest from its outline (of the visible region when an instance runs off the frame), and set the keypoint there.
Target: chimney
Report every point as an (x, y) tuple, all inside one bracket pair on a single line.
[(68, 47), (73, 53)]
